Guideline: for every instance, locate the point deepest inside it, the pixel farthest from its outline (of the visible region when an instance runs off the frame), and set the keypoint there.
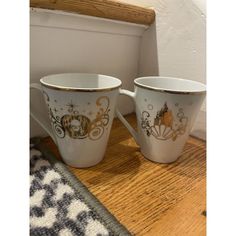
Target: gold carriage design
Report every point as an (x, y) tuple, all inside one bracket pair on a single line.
[(78, 126)]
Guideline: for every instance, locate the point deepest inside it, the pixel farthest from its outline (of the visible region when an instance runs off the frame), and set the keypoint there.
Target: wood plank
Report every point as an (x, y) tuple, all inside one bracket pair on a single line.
[(144, 195), (187, 217), (109, 9)]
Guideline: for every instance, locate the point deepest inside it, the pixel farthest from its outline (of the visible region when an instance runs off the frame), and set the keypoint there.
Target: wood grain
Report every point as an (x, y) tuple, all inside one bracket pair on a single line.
[(109, 9), (149, 198)]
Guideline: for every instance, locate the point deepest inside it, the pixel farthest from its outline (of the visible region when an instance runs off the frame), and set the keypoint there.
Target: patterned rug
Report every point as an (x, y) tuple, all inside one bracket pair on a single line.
[(60, 204)]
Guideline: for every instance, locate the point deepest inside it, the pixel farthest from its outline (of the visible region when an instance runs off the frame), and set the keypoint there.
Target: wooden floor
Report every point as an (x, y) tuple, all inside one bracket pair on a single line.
[(149, 198)]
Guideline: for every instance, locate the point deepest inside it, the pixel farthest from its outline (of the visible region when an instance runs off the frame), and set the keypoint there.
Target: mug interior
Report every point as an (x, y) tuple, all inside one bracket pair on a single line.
[(78, 81), (168, 84)]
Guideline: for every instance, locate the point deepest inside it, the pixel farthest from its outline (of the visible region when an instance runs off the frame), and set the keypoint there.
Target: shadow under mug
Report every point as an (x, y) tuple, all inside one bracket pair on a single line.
[(81, 109), (166, 109)]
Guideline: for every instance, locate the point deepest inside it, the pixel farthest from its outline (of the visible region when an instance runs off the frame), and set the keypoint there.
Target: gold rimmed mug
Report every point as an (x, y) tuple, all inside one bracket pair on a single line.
[(166, 109), (81, 110)]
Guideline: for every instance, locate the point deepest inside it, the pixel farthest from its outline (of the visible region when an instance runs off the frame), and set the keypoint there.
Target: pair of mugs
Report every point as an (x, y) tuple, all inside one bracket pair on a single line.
[(82, 106)]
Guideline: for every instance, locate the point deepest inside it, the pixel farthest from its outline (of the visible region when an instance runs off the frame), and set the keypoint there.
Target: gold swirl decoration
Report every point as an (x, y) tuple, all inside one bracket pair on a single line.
[(55, 120), (78, 126), (96, 128), (164, 126), (56, 124)]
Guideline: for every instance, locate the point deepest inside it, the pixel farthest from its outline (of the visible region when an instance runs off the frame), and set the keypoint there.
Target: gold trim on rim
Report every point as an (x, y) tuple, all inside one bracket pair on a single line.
[(80, 89), (168, 91)]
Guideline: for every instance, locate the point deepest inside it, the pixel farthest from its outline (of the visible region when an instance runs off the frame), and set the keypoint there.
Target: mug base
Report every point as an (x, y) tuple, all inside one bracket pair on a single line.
[(158, 160), (81, 166)]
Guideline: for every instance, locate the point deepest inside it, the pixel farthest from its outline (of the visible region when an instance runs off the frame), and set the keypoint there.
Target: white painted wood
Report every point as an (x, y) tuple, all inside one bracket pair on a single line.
[(148, 60), (64, 42), (65, 20)]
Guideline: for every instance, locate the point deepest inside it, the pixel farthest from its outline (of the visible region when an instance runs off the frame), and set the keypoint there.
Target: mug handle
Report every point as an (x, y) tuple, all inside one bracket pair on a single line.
[(40, 120), (121, 117)]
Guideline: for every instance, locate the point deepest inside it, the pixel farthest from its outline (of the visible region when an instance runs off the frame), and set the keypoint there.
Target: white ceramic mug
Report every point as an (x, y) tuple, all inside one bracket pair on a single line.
[(166, 109), (81, 110)]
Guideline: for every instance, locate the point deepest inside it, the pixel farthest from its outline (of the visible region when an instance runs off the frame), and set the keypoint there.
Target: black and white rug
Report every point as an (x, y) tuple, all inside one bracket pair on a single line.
[(60, 204)]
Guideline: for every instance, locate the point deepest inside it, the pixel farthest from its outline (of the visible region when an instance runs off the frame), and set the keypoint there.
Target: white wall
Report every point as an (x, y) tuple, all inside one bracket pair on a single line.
[(181, 37)]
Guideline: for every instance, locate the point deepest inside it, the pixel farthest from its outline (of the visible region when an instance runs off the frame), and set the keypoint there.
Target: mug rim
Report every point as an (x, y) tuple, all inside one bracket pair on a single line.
[(68, 88), (172, 91)]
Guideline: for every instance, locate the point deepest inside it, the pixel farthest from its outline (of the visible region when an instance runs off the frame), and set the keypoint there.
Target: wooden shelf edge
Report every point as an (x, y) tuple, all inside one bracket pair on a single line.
[(109, 9)]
